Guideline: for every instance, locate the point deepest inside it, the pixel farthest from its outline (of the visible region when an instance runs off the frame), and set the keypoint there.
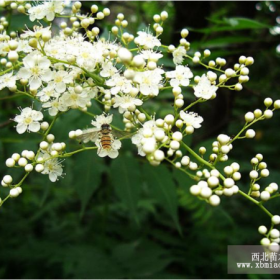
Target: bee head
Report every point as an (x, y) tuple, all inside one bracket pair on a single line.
[(105, 126)]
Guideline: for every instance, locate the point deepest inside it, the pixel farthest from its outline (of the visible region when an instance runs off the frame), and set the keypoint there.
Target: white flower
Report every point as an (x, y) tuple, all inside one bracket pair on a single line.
[(108, 70), (47, 9), (102, 119), (37, 33), (204, 89), (52, 166), (147, 40), (143, 142), (118, 84), (112, 152), (37, 12), (75, 100), (151, 55), (54, 106), (180, 77), (28, 120), (4, 48), (52, 8), (126, 101), (149, 81), (48, 92), (60, 79), (36, 69), (178, 55), (7, 80), (191, 119)]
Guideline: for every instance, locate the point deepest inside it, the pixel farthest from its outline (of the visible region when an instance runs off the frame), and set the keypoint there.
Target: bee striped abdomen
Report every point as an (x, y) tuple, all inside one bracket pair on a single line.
[(106, 141)]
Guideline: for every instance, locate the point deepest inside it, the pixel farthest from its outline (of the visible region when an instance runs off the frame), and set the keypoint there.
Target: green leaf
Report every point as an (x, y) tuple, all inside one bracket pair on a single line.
[(231, 24), (88, 172), (127, 182), (163, 188)]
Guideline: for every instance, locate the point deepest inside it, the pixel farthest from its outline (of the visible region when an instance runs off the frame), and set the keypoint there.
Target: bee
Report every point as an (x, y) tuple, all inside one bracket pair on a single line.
[(104, 138)]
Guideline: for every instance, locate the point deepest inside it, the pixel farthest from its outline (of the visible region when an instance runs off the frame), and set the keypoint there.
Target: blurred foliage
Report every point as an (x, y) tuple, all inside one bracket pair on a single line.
[(123, 218)]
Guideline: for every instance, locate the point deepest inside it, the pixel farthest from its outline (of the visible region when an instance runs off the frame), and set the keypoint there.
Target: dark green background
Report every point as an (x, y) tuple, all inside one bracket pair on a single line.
[(123, 218)]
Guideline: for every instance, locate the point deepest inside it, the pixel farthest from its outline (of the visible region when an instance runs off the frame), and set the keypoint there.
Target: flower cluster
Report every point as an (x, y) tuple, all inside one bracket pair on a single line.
[(75, 68)]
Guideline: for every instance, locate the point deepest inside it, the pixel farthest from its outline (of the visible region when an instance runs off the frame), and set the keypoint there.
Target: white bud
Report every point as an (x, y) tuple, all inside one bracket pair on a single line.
[(159, 155), (44, 145), (214, 200), (169, 119), (28, 167), (249, 117), (184, 33), (178, 165), (230, 72), (39, 167), (262, 229), (189, 129), (185, 160), (265, 195), (274, 233), (10, 162), (236, 176), (250, 133), (179, 103), (249, 60), (164, 15), (228, 170), (265, 241), (206, 192), (72, 134), (207, 53), (275, 219), (50, 138), (14, 192), (254, 174), (274, 186), (213, 181), (228, 182), (7, 179), (159, 134), (223, 139), (178, 136), (268, 114), (174, 145), (22, 162), (228, 192), (195, 190), (265, 173), (225, 149), (277, 104), (215, 173), (16, 156), (125, 55), (193, 166)]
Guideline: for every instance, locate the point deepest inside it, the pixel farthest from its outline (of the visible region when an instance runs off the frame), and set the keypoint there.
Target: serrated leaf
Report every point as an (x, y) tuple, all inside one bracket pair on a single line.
[(163, 188), (127, 182)]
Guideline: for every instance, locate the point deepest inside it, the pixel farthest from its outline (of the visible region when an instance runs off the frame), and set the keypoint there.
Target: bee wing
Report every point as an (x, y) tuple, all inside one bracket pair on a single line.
[(122, 134), (90, 134)]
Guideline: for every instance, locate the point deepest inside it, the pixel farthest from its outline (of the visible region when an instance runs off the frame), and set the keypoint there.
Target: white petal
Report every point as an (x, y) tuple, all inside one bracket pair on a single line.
[(24, 73), (21, 128), (34, 126), (113, 153), (60, 87), (47, 76), (102, 153), (35, 83), (53, 176), (116, 145)]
